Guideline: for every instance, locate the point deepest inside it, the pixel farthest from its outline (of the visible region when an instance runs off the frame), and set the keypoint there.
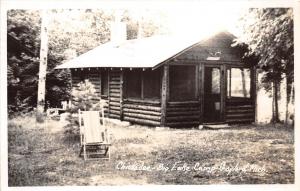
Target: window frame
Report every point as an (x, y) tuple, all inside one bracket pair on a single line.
[(228, 83), (196, 82), (142, 86)]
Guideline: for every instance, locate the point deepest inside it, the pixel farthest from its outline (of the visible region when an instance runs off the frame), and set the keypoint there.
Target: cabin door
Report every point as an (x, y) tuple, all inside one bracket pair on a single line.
[(212, 94)]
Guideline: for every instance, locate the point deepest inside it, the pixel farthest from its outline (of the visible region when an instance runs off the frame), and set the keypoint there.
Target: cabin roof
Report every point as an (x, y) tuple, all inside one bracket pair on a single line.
[(137, 53)]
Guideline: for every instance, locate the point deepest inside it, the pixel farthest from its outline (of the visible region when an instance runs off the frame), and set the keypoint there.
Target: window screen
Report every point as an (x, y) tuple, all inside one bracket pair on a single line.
[(151, 79), (133, 85), (182, 83), (215, 81), (238, 82)]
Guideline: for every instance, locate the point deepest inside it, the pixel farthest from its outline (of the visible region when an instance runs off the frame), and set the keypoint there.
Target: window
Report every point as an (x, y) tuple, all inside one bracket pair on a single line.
[(152, 82), (238, 82), (143, 84), (133, 86), (104, 83), (182, 83), (215, 81)]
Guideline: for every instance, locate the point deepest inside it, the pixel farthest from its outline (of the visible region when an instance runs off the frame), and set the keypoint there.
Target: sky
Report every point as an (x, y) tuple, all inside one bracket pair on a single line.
[(194, 19), (189, 18), (204, 20), (182, 17)]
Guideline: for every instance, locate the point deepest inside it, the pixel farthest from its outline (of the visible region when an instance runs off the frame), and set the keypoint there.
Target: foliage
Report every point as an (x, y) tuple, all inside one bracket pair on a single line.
[(71, 33), (23, 64), (83, 97), (269, 34)]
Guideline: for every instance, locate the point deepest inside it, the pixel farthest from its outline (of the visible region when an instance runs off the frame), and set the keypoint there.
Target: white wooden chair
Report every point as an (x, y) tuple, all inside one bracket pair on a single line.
[(93, 135)]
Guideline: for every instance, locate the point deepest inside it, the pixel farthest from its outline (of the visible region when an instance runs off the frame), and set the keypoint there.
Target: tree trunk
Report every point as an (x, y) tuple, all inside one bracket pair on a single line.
[(42, 67), (275, 97), (287, 88), (243, 83)]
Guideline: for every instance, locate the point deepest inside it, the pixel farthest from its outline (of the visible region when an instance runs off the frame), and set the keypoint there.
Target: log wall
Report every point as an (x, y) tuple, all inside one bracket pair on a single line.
[(94, 76), (183, 114), (114, 94), (142, 112), (240, 111), (146, 112)]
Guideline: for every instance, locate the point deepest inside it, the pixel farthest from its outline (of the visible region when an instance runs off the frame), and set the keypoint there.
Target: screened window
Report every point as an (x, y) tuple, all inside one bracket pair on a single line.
[(143, 84), (151, 80), (133, 85), (104, 83), (238, 82), (215, 77), (182, 83)]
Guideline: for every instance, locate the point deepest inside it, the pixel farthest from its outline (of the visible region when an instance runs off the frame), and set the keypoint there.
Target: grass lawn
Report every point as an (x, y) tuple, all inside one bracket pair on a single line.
[(41, 155)]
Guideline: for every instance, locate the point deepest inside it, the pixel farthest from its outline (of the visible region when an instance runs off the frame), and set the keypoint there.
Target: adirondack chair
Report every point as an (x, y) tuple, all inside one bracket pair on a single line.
[(94, 138)]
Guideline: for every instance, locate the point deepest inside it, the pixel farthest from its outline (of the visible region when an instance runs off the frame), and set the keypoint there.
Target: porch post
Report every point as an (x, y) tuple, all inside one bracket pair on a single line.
[(108, 94), (201, 90), (100, 82), (164, 94), (121, 94), (223, 92)]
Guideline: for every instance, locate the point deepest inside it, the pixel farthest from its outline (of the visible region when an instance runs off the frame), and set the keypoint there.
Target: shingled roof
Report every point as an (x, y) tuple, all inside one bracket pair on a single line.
[(138, 53)]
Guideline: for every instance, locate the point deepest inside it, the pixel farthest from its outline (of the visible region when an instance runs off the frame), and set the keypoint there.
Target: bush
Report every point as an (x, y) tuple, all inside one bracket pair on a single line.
[(83, 100), (83, 96)]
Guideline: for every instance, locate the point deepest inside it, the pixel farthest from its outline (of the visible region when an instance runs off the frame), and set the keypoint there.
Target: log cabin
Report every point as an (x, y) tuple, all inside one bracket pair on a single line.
[(169, 82)]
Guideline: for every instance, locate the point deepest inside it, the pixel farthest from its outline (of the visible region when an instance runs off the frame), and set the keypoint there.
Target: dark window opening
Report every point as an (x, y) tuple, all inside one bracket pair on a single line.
[(182, 83), (104, 83), (133, 85), (143, 84), (151, 86), (238, 83)]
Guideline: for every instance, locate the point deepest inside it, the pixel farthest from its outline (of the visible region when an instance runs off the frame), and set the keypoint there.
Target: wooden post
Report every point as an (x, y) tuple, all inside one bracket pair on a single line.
[(108, 93), (200, 71), (164, 94), (197, 82), (100, 82), (224, 79), (222, 109), (229, 83), (121, 94), (142, 83)]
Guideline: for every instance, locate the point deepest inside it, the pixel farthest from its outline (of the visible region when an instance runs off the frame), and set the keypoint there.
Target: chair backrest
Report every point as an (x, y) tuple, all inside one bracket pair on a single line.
[(91, 127)]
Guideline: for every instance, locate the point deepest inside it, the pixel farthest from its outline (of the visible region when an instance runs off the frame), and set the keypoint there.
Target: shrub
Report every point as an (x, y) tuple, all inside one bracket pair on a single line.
[(83, 100)]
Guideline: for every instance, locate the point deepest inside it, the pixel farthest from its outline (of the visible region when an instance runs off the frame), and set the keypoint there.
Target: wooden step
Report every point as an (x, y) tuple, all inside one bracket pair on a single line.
[(217, 126)]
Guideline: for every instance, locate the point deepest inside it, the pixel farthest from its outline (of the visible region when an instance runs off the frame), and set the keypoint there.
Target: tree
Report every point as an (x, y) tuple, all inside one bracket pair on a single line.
[(23, 28), (77, 30), (269, 34), (43, 64)]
